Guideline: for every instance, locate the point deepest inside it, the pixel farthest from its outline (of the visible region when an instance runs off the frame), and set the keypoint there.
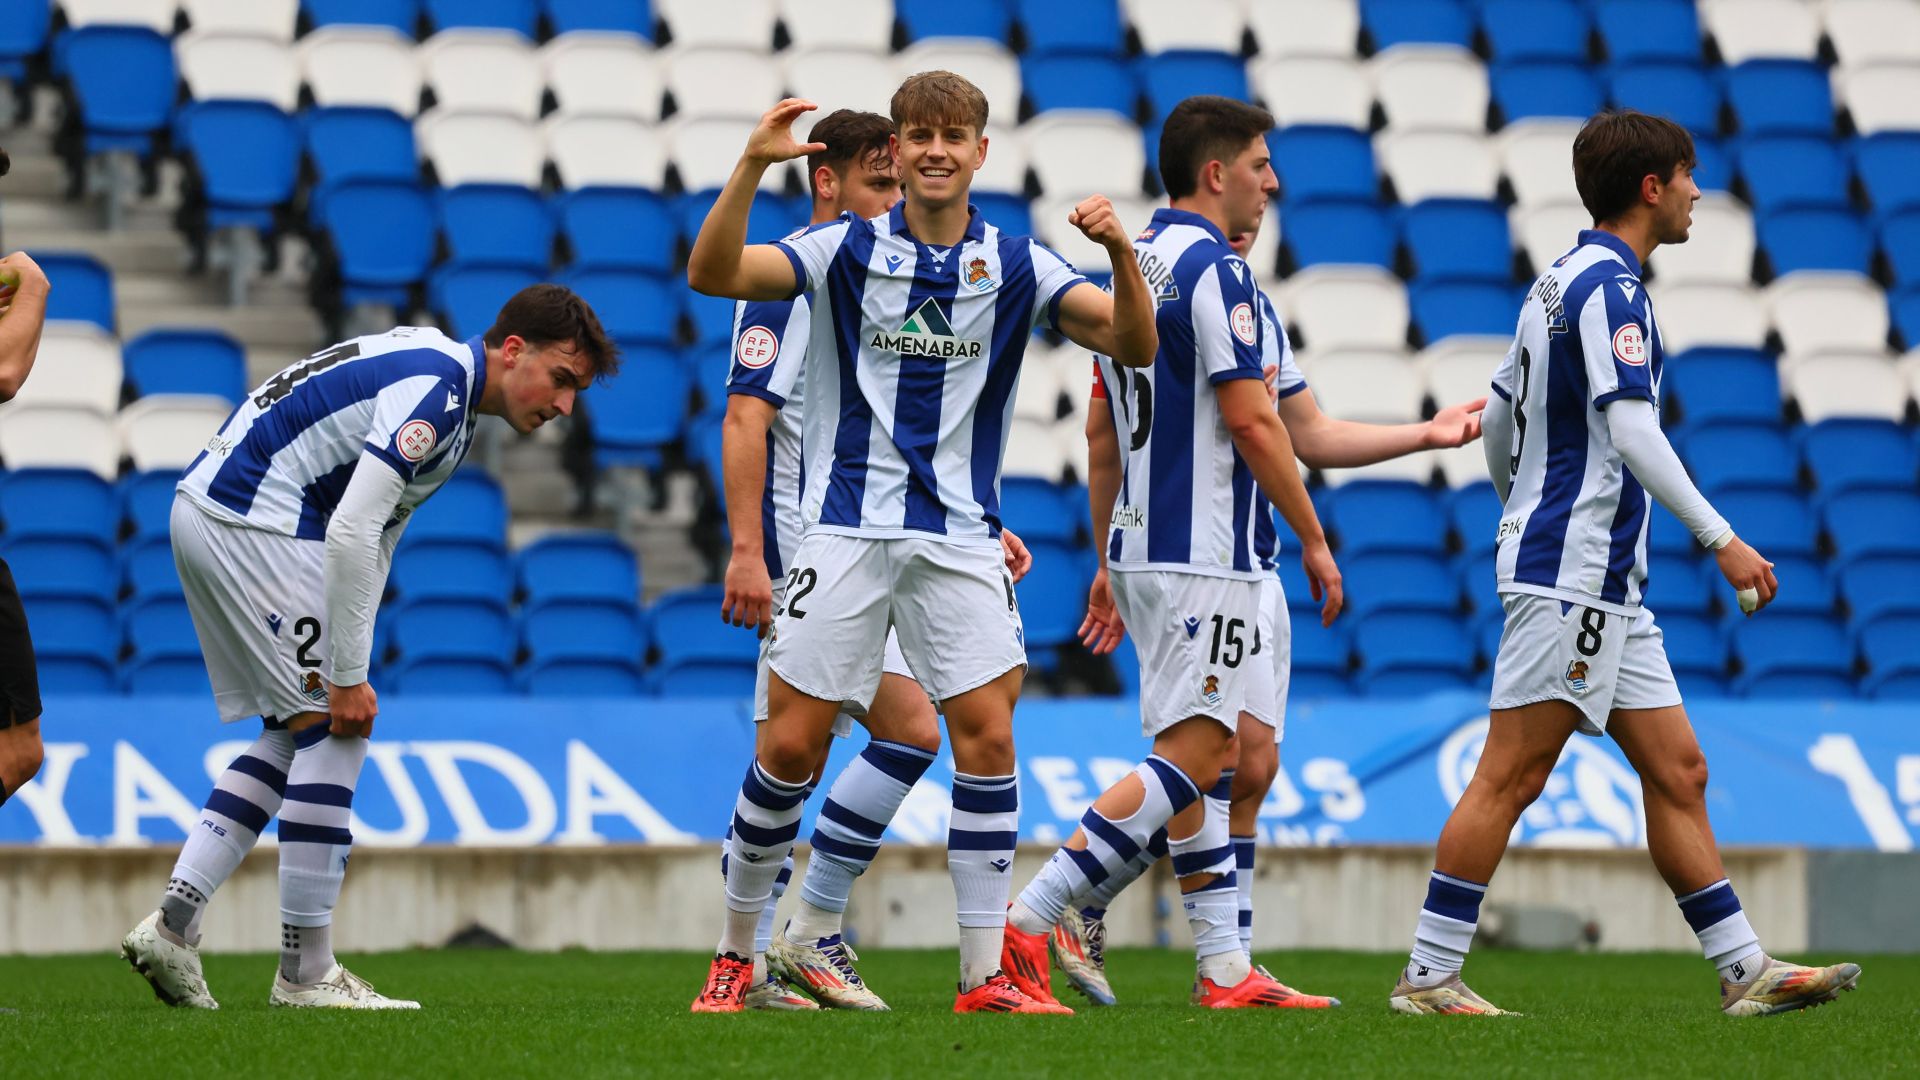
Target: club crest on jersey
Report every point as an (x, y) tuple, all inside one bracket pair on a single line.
[(415, 440), (1244, 326), (1210, 689), (927, 332), (313, 688), (978, 277), (1630, 345), (1577, 677), (757, 347)]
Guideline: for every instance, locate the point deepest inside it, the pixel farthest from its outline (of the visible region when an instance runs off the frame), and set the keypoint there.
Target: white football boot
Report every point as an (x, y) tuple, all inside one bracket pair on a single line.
[(774, 995), (1783, 987), (341, 989), (172, 969)]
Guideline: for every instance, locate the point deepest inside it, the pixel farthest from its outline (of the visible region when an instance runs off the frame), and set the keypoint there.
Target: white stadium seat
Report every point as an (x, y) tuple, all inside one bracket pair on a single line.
[(1051, 226), (1005, 169), (361, 65), (605, 151), (1461, 368), (1033, 450), (707, 81), (1438, 164), (481, 148), (1880, 97), (1461, 466), (1867, 31), (1314, 90), (840, 77), (1210, 25), (478, 70), (1751, 29), (736, 24), (1536, 154), (1380, 387), (1071, 436), (236, 67), (1909, 367), (1818, 311), (987, 64), (1719, 247), (1703, 313), (60, 437), (78, 367), (849, 24), (603, 74), (266, 18), (1264, 255), (1305, 27), (1868, 387), (704, 151), (166, 431), (1416, 467), (1082, 151), (1344, 307), (155, 15), (1431, 86), (1546, 231), (1038, 395)]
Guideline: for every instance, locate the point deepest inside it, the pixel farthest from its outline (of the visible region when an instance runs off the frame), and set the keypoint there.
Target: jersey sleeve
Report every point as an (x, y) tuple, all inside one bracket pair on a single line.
[(415, 416), (1615, 341), (812, 250), (1503, 374), (1052, 276), (1226, 322), (769, 347), (1278, 351)]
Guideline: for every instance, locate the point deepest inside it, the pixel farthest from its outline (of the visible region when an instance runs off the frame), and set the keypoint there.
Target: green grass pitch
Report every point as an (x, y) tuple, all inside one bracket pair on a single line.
[(577, 1015)]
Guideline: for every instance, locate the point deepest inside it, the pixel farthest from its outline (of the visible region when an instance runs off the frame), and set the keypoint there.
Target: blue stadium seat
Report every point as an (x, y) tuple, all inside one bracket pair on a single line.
[(1474, 513), (583, 678), (450, 570), (61, 566), (1873, 522), (246, 155), (468, 295), (57, 504), (1317, 686), (1082, 26), (1009, 213), (583, 629), (469, 507), (1906, 315), (711, 367), (1465, 238), (1634, 30), (622, 227), (637, 415), (1079, 81), (1779, 95), (773, 216), (1387, 515), (632, 305), (1488, 628), (516, 15), (1777, 521), (1682, 92), (1126, 666), (399, 14), (170, 360), (160, 627), (453, 630), (991, 19), (1695, 648), (123, 79), (1793, 170), (1350, 230), (1789, 654), (359, 143), (1409, 653), (1900, 241), (85, 292), (73, 626), (1442, 309), (1847, 454), (579, 566), (1805, 585), (1713, 169), (147, 502), (1053, 595), (705, 678), (1888, 164), (497, 223), (1477, 574), (1891, 648), (1386, 23), (1682, 590), (178, 675), (1170, 77), (1320, 648), (1531, 88), (1810, 238), (623, 16), (1535, 30), (1742, 455), (1880, 585), (1715, 385), (1322, 161), (1037, 510), (1293, 577), (712, 316), (382, 233), (147, 568), (23, 36), (1397, 582), (686, 626), (452, 676), (1667, 538)]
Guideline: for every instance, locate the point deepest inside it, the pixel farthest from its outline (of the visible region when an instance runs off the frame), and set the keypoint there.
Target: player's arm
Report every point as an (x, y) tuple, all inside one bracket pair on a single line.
[(1102, 629), (722, 263), (1117, 324), (23, 301), (1262, 440), (743, 465), (1324, 442), (1496, 421), (355, 569)]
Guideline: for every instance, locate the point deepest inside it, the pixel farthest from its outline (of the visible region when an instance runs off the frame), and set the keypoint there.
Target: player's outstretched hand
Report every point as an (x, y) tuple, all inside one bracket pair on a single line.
[(1323, 581), (772, 140), (1019, 559), (1095, 218), (1745, 569), (1102, 630), (749, 594), (1455, 425), (352, 709)]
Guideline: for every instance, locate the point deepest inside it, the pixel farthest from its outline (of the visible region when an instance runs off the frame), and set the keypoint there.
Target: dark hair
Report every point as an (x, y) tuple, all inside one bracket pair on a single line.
[(850, 136), (1617, 149), (939, 97), (546, 315), (1201, 129)]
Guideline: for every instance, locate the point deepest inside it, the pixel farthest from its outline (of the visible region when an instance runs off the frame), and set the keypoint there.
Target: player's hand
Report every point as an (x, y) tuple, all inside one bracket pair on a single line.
[(1095, 218), (772, 140), (1455, 425), (352, 709), (1272, 377), (1019, 559), (19, 273), (1102, 630), (1745, 569), (1323, 581), (749, 593)]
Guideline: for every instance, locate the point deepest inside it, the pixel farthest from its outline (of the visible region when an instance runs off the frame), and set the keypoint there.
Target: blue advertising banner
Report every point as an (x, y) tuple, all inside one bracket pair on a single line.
[(514, 772)]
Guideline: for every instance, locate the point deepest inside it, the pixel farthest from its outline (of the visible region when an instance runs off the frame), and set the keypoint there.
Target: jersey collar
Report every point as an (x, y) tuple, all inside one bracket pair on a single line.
[(1614, 244), (897, 224), (1167, 215), (479, 346)]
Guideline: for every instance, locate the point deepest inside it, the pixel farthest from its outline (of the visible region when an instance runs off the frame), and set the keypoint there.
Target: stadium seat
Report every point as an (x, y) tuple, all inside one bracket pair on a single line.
[(569, 677), (1713, 167), (1411, 654), (1906, 315), (587, 566), (480, 148), (1473, 513), (59, 437), (86, 288), (1050, 224), (1881, 97), (275, 19), (1438, 164), (986, 63), (1079, 82), (1827, 312), (1746, 455), (1374, 386), (88, 364), (705, 678), (634, 419), (632, 305), (58, 503), (1762, 29), (518, 16), (160, 627), (467, 295), (483, 70), (72, 626), (991, 20), (1847, 387), (1695, 647), (841, 74), (1207, 25), (1449, 238), (1782, 171), (1068, 149), (351, 142), (1537, 159), (1398, 582), (1171, 77), (167, 431), (1316, 648), (1783, 96), (1668, 539), (181, 361), (603, 74), (1684, 589), (1774, 520), (468, 508), (686, 626), (633, 17), (1545, 231), (623, 227), (1657, 30), (367, 66), (1718, 249), (1806, 588), (840, 24), (450, 570), (1009, 213), (1340, 307), (582, 629), (1386, 23), (452, 677), (147, 503), (1431, 87), (1847, 454), (1552, 30), (1701, 313), (1005, 170), (498, 223), (1891, 648), (1536, 89), (1053, 595), (1339, 231), (382, 235), (1032, 451), (246, 155), (708, 82), (400, 15), (1682, 92), (1314, 90), (1900, 242), (703, 150), (1808, 648), (61, 566), (1372, 516), (1461, 368), (23, 37), (1323, 161), (1444, 308), (226, 66), (1038, 511), (1306, 28), (1713, 385), (156, 15), (1880, 585), (179, 675), (147, 567), (1876, 522), (466, 630), (1866, 31), (123, 82)]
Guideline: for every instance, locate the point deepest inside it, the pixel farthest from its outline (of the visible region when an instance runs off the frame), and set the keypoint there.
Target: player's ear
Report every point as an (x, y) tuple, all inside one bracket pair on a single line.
[(512, 349), (826, 184), (1650, 186), (980, 160)]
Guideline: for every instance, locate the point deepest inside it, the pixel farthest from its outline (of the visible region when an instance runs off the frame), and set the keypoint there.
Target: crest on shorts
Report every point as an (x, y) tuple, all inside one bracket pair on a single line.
[(978, 277), (1577, 677), (313, 688), (1210, 689)]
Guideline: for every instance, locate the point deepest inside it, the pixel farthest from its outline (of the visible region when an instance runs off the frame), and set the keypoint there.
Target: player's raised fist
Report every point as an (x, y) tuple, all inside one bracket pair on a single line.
[(1095, 218), (18, 271), (772, 140)]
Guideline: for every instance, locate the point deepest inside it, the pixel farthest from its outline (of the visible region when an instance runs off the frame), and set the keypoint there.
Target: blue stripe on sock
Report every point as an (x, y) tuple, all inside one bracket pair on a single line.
[(971, 797), (1179, 787), (1195, 862), (906, 764), (1243, 852), (841, 849), (785, 875), (1703, 909), (1157, 846), (263, 771), (238, 810), (759, 836), (1224, 881), (1090, 867), (840, 815), (299, 832), (308, 737), (320, 794), (765, 790), (1223, 787), (1455, 901), (1110, 835), (974, 840)]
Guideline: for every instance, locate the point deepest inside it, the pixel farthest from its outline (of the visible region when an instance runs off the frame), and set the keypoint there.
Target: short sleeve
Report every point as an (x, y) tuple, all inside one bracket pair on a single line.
[(1226, 324), (1099, 383), (1615, 341), (415, 416), (1053, 276), (1503, 374), (813, 250), (769, 348), (1278, 351)]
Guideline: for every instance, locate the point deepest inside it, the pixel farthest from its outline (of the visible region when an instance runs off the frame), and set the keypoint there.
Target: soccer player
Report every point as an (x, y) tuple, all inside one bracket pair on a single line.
[(910, 377), (23, 314), (283, 532), (761, 448), (1200, 441), (1574, 447), (1322, 442)]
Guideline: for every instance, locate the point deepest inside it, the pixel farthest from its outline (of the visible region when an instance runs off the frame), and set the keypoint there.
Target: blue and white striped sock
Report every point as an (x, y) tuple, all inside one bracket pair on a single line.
[(846, 834), (1104, 893), (980, 841), (766, 818), (1243, 874), (314, 844), (1445, 931), (1725, 936), (1212, 905), (243, 800)]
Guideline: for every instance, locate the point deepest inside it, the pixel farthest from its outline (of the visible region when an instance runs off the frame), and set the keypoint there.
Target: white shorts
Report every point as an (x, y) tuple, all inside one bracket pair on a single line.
[(1267, 682), (1194, 635), (1597, 661), (259, 606), (893, 663), (951, 607)]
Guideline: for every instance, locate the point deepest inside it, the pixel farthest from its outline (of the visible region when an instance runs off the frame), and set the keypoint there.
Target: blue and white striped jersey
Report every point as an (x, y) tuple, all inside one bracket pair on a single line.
[(1187, 499), (769, 360), (283, 459), (1575, 522), (1278, 351), (911, 369)]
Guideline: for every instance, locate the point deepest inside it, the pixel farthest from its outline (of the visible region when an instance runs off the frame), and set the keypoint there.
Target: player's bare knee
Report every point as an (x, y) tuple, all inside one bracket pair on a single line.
[(1681, 781)]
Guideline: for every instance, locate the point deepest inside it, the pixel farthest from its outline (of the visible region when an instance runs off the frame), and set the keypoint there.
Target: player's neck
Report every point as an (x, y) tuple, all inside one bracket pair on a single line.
[(1205, 207), (1636, 233), (493, 396), (939, 226)]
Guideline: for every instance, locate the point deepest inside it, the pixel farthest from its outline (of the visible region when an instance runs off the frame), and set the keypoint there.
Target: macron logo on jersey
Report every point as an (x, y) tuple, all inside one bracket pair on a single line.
[(452, 402), (927, 332)]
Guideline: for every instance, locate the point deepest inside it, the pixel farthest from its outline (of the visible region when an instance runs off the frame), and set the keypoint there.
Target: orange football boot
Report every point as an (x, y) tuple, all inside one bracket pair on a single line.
[(999, 994), (1024, 959), (727, 980), (1258, 990)]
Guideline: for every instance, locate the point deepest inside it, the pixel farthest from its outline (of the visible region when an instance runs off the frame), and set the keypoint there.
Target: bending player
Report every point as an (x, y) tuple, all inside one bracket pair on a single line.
[(1574, 447), (909, 393), (1200, 435), (1321, 442), (761, 449), (283, 532)]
